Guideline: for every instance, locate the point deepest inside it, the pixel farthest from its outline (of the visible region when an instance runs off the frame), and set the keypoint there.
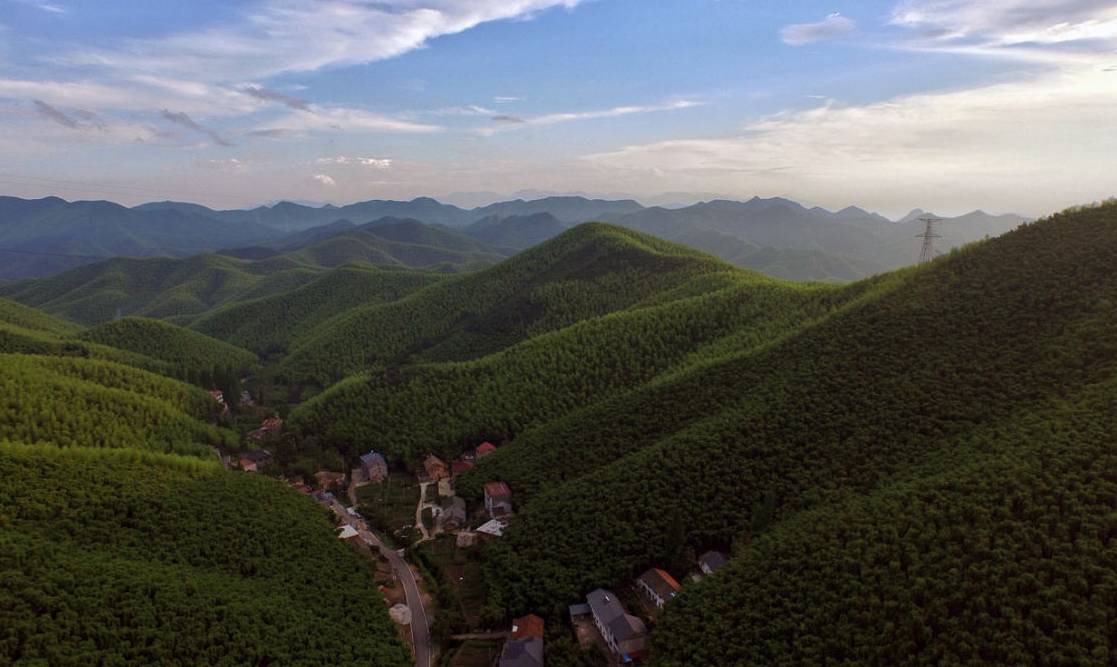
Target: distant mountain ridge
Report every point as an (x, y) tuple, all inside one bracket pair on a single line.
[(775, 235)]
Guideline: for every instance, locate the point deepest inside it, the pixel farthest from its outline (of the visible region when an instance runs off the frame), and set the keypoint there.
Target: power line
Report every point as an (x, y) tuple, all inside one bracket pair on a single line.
[(927, 253)]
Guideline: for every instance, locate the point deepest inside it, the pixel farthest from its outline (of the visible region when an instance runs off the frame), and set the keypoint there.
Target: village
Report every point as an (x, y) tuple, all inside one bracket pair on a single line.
[(427, 545)]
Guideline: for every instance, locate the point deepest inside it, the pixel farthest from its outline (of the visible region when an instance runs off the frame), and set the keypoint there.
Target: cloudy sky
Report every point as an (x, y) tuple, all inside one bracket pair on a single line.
[(951, 105)]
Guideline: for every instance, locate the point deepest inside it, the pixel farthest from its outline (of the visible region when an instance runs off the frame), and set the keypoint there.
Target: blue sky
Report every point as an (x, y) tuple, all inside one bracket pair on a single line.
[(890, 104)]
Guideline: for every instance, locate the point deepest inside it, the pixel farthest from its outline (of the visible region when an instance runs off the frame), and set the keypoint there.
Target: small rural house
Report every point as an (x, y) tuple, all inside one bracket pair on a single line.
[(251, 461), (524, 648), (270, 427), (348, 534), (435, 468), (498, 499), (460, 467), (450, 514), (374, 466), (659, 586), (492, 528), (624, 633), (485, 448), (711, 561), (218, 395)]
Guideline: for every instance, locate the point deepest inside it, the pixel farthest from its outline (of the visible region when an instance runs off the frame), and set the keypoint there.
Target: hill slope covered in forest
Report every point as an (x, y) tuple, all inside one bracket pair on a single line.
[(901, 390)]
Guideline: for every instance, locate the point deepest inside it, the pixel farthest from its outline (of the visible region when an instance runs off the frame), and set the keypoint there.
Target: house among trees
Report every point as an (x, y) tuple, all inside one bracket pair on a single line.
[(485, 448), (525, 646), (450, 514), (251, 461), (658, 585), (624, 633), (435, 468), (326, 479), (374, 466), (270, 427), (498, 499), (711, 561), (348, 534), (460, 467), (218, 395)]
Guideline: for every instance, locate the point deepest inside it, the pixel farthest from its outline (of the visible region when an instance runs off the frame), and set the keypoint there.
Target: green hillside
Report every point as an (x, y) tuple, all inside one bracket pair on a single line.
[(586, 272), (175, 289), (920, 373), (270, 324), (184, 351), (121, 557), (503, 394), (91, 403)]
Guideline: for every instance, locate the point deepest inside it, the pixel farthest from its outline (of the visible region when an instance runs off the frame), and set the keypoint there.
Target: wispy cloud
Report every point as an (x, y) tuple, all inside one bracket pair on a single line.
[(343, 119), (268, 95), (504, 121), (834, 26), (181, 118), (49, 7), (323, 179), (51, 113), (305, 35)]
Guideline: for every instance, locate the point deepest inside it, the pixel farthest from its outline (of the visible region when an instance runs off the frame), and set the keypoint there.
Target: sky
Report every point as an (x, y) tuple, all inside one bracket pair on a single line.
[(947, 105)]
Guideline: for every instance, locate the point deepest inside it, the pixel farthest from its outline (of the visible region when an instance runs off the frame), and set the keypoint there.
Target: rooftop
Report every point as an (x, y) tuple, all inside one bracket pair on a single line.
[(497, 490), (661, 582), (608, 609)]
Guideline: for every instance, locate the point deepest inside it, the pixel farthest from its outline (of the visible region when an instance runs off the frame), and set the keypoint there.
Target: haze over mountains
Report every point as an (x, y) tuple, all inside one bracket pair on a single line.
[(775, 236)]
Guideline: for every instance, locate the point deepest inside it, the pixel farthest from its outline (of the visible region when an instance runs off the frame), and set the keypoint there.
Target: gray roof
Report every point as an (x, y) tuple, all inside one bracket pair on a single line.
[(655, 581), (454, 506), (372, 458), (579, 610), (713, 559), (608, 609), (522, 652)]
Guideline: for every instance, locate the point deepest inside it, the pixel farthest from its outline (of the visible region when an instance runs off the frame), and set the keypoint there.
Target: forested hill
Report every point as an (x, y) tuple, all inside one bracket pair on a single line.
[(182, 290), (876, 473), (586, 272)]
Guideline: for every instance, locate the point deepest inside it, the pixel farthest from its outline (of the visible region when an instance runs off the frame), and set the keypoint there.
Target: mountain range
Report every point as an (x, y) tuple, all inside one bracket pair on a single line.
[(775, 236)]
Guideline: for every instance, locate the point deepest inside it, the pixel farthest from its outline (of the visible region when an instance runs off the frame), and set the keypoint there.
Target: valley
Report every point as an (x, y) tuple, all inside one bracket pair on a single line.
[(584, 429)]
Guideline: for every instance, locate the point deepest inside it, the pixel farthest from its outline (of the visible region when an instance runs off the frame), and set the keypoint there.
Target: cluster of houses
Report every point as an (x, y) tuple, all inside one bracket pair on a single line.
[(624, 634)]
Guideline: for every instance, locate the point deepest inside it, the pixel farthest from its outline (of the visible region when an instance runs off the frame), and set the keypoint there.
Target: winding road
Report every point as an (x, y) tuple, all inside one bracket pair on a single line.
[(420, 627)]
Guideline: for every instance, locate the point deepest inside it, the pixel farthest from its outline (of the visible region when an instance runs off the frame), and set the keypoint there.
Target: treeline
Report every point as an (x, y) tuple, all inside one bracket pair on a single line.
[(187, 353), (75, 402), (117, 557), (586, 272), (724, 454), (502, 395)]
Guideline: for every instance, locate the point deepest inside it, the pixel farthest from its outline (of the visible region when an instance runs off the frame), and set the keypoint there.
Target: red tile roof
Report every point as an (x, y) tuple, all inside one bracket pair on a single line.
[(527, 626), (667, 578), (459, 467), (485, 448), (497, 489)]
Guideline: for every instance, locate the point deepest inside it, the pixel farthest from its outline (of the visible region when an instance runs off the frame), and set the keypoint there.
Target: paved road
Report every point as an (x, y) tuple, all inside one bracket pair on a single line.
[(420, 627)]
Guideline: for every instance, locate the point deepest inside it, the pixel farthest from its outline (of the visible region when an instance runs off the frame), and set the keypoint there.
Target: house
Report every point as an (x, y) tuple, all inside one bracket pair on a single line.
[(251, 461), (625, 634), (326, 479), (348, 534), (218, 395), (711, 561), (578, 611), (302, 488), (493, 528), (270, 427), (450, 514), (527, 626), (498, 499), (484, 449), (460, 467), (435, 468), (659, 586), (374, 466), (523, 652)]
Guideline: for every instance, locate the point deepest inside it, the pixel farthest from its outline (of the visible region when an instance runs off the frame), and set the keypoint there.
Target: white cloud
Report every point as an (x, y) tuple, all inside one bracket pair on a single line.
[(1037, 29), (834, 26), (511, 122), (49, 7), (986, 146), (306, 35), (325, 180), (382, 163), (506, 99), (318, 118)]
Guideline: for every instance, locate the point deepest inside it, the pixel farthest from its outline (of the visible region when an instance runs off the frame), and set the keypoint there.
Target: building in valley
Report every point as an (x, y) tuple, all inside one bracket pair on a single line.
[(658, 585), (374, 466), (498, 499), (625, 634)]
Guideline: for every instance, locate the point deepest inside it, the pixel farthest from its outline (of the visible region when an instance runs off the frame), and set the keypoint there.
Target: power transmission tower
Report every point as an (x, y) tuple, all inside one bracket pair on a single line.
[(929, 235)]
